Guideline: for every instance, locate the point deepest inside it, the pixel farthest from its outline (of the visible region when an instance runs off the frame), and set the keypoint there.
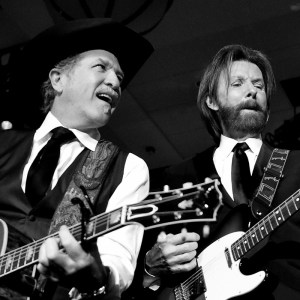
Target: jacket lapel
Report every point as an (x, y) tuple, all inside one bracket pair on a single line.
[(211, 172)]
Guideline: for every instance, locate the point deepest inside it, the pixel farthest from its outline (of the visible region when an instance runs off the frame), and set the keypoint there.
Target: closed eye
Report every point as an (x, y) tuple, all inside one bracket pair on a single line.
[(259, 85), (120, 77), (101, 66), (236, 83)]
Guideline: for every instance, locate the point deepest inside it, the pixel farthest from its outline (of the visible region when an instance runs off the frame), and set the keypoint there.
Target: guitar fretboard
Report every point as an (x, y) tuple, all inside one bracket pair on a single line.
[(198, 203), (27, 255), (266, 225)]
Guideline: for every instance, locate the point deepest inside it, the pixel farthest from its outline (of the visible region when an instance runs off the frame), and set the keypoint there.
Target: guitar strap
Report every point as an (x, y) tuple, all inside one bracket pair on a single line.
[(273, 173)]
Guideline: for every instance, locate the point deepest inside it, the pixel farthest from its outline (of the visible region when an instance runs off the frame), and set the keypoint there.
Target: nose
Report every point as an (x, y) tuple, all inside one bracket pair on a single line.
[(251, 90), (112, 80)]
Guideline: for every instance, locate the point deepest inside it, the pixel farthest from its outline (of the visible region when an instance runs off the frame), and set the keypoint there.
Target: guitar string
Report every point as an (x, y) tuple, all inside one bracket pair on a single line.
[(187, 284), (199, 275), (97, 223), (97, 219), (261, 226), (13, 257), (32, 247)]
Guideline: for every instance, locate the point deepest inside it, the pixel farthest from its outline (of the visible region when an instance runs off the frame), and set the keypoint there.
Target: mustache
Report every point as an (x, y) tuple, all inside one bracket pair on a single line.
[(250, 104)]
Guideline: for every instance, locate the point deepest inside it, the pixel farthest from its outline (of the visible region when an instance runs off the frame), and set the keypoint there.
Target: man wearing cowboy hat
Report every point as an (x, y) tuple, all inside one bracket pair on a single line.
[(82, 66)]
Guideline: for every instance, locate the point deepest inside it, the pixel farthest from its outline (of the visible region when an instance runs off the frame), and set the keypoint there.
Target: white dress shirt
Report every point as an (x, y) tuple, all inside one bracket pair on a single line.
[(119, 249), (223, 158)]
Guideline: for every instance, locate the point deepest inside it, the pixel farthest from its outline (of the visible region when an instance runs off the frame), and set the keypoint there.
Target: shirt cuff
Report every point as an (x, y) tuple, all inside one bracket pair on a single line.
[(150, 281)]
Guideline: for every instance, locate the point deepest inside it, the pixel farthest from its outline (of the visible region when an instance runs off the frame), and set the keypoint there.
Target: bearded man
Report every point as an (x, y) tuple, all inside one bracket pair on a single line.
[(234, 102)]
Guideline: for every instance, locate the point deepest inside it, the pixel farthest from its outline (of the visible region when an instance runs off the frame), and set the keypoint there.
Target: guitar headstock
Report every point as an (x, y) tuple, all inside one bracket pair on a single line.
[(197, 203)]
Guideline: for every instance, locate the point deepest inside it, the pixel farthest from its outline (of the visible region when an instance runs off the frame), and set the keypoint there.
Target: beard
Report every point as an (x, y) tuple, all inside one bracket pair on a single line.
[(240, 123)]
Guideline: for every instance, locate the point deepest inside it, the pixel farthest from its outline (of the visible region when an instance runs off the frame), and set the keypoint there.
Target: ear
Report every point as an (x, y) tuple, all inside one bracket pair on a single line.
[(55, 77), (212, 104)]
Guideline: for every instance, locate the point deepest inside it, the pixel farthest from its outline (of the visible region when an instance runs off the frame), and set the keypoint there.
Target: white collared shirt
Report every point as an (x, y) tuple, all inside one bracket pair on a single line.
[(223, 158), (68, 152)]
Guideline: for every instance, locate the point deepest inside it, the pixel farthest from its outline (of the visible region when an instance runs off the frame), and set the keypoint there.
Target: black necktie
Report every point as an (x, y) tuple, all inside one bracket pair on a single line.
[(240, 174), (42, 169)]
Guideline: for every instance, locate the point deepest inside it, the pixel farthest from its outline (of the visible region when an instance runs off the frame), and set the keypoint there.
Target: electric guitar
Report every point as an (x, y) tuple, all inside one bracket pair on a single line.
[(198, 203), (218, 276)]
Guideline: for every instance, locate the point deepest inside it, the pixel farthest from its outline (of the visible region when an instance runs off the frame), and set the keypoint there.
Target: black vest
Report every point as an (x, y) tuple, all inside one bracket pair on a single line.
[(16, 210)]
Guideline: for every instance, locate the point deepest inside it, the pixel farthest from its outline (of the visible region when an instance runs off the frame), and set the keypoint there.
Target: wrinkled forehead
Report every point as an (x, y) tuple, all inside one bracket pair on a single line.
[(103, 54)]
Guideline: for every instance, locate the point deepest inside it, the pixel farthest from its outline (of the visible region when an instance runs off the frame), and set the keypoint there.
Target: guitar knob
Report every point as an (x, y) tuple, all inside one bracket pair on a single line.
[(187, 185), (155, 219), (206, 231), (177, 216)]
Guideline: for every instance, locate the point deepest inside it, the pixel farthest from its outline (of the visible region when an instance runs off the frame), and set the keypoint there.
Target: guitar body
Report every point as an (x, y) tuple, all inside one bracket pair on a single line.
[(222, 277), (218, 276), (3, 236)]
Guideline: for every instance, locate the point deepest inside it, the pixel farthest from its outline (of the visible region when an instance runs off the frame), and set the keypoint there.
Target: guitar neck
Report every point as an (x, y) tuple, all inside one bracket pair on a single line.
[(27, 255), (198, 203), (266, 225)]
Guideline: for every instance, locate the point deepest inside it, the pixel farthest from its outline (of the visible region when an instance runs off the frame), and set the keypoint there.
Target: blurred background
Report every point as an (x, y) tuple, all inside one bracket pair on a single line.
[(158, 119)]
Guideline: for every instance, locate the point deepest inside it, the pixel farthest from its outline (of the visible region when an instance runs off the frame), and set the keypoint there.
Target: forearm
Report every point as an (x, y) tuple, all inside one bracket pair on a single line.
[(119, 251)]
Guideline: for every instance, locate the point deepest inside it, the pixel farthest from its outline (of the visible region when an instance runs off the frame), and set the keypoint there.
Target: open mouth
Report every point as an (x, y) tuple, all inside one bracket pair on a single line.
[(105, 97)]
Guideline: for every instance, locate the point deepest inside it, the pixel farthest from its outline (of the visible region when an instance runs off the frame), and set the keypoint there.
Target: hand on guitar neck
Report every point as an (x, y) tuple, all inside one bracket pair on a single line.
[(72, 267)]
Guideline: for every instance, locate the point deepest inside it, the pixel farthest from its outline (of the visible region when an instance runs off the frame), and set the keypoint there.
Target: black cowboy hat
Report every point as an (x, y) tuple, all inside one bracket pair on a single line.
[(51, 46)]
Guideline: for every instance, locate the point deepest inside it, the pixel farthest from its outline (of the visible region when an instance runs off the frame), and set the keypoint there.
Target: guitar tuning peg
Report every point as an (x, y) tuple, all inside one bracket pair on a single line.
[(158, 197), (178, 192), (206, 231), (187, 185), (166, 188)]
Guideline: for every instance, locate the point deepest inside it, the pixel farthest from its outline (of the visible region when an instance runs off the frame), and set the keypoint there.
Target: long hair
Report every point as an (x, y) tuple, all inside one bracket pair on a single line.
[(222, 61), (47, 90)]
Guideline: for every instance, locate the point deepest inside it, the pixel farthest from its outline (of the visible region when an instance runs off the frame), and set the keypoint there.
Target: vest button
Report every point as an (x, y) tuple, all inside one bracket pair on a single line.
[(31, 218)]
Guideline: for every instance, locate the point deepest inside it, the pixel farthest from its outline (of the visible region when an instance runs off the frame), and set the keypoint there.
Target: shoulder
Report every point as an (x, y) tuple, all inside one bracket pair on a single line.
[(134, 161), (294, 153), (294, 159)]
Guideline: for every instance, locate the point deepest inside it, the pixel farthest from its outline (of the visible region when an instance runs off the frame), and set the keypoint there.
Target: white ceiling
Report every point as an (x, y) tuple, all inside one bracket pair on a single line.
[(158, 119)]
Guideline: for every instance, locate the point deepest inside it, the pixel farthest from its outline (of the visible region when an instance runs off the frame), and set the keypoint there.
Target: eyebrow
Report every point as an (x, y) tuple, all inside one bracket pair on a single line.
[(258, 80), (242, 77)]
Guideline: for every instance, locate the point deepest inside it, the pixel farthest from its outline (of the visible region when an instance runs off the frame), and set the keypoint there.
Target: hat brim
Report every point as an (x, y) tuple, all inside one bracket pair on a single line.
[(44, 51)]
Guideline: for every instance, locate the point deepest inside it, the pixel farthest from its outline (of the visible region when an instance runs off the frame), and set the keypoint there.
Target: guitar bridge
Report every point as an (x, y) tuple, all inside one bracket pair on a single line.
[(191, 289), (198, 289)]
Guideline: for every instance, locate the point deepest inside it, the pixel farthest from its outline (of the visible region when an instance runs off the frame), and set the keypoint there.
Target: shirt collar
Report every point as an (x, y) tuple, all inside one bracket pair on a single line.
[(227, 144), (88, 139)]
